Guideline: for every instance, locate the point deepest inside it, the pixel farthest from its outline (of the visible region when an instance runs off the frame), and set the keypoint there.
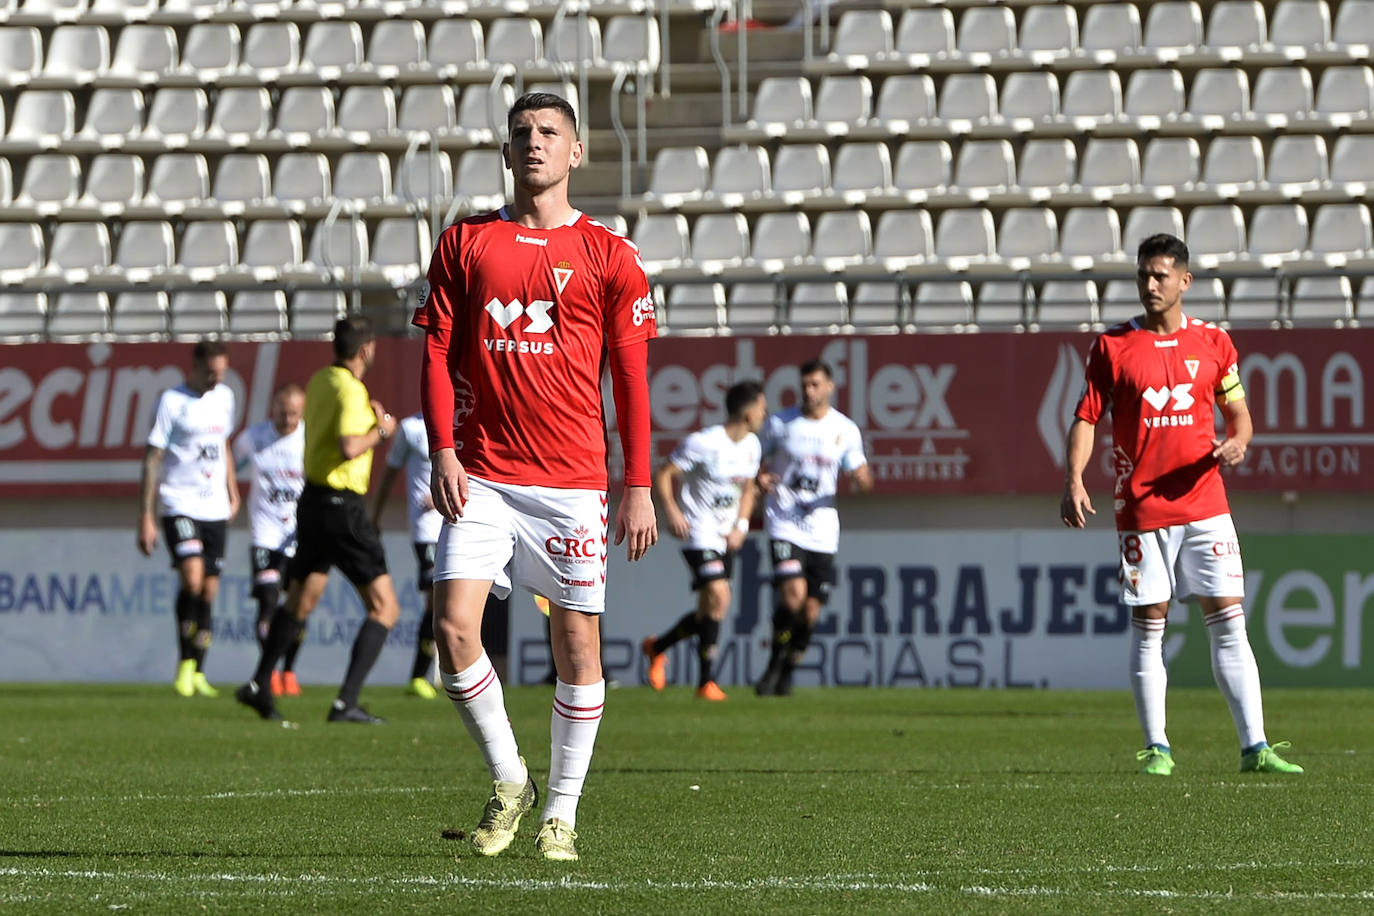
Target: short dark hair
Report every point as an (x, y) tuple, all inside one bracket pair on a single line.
[(1162, 243), (741, 397), (350, 334), (538, 101), (817, 365), (206, 350)]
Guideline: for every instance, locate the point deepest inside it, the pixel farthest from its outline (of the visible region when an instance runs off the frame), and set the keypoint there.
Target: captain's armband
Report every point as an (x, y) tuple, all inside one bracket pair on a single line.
[(1230, 388)]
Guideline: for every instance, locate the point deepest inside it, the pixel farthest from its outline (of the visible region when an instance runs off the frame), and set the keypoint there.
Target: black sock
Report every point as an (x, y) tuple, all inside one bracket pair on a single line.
[(281, 635), (269, 598), (366, 648), (204, 631), (186, 624), (686, 626), (707, 636), (424, 648), (801, 638), (783, 622), (288, 661)]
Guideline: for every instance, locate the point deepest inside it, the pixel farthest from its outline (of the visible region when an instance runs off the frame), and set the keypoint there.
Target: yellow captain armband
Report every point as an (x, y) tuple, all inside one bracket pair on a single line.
[(1230, 388)]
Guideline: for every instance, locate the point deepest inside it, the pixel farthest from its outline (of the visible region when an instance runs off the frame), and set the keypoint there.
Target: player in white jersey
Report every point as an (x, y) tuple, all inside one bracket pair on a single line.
[(410, 453), (188, 482), (707, 491), (273, 452), (804, 450)]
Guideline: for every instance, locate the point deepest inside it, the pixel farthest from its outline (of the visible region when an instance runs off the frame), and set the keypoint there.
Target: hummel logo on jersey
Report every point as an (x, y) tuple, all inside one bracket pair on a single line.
[(537, 311), (531, 241), (1181, 394)]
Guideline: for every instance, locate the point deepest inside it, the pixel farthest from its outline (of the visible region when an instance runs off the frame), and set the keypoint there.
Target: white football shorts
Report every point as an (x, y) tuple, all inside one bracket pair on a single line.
[(547, 540), (1200, 558)]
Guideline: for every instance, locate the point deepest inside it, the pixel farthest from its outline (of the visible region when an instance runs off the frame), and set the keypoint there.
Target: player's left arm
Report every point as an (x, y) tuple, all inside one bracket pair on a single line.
[(856, 463), (1230, 397), (231, 481)]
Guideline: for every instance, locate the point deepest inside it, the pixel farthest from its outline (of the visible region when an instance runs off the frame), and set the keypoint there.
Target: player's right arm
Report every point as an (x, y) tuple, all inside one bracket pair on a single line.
[(666, 481), (448, 482), (1076, 506), (147, 500)]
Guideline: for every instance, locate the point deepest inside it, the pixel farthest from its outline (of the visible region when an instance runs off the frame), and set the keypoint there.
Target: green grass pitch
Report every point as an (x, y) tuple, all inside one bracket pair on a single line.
[(127, 798)]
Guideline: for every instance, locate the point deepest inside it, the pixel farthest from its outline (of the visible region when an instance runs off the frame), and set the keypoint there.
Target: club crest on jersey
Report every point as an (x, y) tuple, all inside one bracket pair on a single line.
[(561, 275), (1191, 363)]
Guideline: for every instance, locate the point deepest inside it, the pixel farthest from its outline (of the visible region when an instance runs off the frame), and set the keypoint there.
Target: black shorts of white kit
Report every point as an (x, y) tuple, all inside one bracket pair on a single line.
[(709, 565), (332, 529), (424, 562), (792, 562), (269, 569), (190, 537)]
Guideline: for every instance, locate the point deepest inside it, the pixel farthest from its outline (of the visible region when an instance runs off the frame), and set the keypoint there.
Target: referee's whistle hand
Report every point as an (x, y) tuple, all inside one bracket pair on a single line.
[(448, 484)]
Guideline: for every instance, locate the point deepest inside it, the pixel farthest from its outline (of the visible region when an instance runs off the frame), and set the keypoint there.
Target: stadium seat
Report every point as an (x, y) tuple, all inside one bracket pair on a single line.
[(1049, 31), (1277, 232), (363, 179), (1297, 162), (1032, 96), (696, 306), (418, 180), (861, 37), (968, 97), (1216, 232), (780, 241), (140, 312), (457, 49), (258, 312), (1340, 232), (903, 238), (1219, 96), (1002, 303), (79, 314), (843, 101), (1170, 162), (270, 244), (1301, 24), (1067, 303), (78, 248), (396, 48), (144, 53), (337, 247), (923, 167), (841, 239), (1026, 236), (861, 170), (939, 303), (242, 180), (1255, 300), (984, 166), (1365, 307), (1354, 23), (242, 113), (781, 103), (270, 50), (481, 179), (1237, 24), (752, 306), (211, 51), (877, 303), (925, 33), (965, 235), (482, 113), (23, 250), (818, 305), (1143, 222), (1120, 302), (518, 42), (1154, 96), (1109, 164), (800, 171), (1352, 162), (113, 116), (193, 9), (22, 314), (332, 49), (428, 109), (367, 113), (1282, 94), (51, 182), (720, 241), (194, 312), (42, 118), (145, 248), (21, 55), (303, 113), (1092, 96), (76, 55), (6, 182), (177, 180), (1173, 26), (301, 181), (1322, 300), (400, 250), (662, 240), (631, 44), (46, 12), (1110, 27), (176, 115), (1089, 235), (679, 174), (207, 248), (1234, 162), (1345, 92), (1048, 166), (906, 99), (986, 32), (1206, 299), (575, 42)]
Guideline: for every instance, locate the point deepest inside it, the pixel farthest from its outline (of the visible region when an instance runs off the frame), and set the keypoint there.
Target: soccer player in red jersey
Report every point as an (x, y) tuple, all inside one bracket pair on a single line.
[(523, 308), (1159, 375)]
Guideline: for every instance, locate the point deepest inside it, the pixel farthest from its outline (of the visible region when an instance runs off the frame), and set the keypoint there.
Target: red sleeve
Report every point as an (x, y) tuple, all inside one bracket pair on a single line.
[(434, 312), (630, 388), (629, 306), (1097, 384)]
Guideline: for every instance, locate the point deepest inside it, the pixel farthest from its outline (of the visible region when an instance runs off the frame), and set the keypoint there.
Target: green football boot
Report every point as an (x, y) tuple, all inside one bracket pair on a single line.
[(509, 802), (555, 841), (1159, 761), (1267, 760)]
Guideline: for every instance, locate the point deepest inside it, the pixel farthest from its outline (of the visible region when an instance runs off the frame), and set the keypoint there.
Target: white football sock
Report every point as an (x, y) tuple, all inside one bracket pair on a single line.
[(1233, 665), (572, 732), (476, 694), (1149, 678)]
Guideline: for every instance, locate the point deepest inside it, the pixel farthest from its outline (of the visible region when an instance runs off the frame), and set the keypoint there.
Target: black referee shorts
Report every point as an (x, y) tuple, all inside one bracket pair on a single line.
[(332, 529)]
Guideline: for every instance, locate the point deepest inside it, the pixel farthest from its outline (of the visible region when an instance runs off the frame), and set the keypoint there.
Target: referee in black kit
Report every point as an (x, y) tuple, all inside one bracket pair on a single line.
[(342, 427)]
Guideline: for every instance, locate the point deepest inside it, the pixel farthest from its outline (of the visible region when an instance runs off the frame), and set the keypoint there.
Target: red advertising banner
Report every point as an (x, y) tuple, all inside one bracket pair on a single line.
[(962, 413)]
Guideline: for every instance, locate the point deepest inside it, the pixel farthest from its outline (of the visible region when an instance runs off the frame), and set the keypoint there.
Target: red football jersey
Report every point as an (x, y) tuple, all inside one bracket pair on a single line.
[(1161, 390), (530, 314)]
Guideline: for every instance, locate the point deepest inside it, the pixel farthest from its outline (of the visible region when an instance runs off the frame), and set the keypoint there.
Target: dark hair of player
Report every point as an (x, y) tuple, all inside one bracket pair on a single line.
[(287, 388), (1162, 243), (538, 101), (741, 397), (817, 365), (206, 350), (350, 334)]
